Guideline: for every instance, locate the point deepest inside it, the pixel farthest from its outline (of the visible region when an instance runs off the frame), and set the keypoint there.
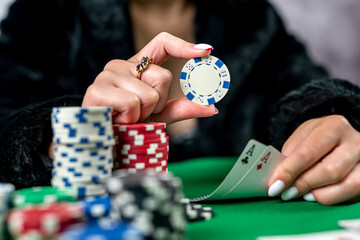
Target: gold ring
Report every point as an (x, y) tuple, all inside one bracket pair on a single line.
[(145, 62)]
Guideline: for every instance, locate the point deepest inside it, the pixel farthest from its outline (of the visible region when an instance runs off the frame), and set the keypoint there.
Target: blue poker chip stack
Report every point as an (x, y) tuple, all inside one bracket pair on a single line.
[(83, 154), (150, 202), (6, 190)]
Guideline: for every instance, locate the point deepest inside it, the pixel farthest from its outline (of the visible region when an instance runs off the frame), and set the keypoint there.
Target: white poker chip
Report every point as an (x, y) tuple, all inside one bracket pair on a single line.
[(205, 80)]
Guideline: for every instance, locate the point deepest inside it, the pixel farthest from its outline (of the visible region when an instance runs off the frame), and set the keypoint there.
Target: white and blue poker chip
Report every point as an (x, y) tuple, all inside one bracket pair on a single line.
[(205, 80)]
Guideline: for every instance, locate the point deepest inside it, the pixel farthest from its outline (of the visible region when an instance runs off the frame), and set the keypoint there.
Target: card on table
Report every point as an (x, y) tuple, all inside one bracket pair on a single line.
[(250, 173), (350, 224), (328, 235)]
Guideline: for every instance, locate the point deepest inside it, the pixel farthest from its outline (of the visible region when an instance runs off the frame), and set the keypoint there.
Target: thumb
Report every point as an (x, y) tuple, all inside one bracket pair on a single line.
[(182, 109)]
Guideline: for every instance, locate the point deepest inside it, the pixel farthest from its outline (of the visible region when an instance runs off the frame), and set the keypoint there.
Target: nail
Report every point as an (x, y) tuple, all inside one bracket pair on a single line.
[(203, 46), (309, 197), (276, 188), (216, 111), (290, 193)]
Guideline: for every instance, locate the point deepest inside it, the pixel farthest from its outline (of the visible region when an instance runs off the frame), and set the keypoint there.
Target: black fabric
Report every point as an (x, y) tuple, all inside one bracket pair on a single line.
[(52, 50)]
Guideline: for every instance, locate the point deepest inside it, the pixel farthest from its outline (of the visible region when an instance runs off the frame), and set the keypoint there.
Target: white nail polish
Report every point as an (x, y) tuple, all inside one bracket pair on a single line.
[(309, 197), (203, 46), (276, 188), (290, 193)]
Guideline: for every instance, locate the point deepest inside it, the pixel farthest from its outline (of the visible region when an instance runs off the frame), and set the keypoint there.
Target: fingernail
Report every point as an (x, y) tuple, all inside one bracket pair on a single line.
[(276, 188), (309, 197), (216, 111), (203, 46), (290, 193)]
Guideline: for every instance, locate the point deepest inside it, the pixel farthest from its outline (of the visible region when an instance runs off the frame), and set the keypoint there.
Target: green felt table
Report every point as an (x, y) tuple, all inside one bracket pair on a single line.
[(251, 218)]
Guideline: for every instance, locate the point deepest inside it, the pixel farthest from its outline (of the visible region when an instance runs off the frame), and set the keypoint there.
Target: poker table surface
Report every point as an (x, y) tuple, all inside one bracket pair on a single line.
[(251, 218)]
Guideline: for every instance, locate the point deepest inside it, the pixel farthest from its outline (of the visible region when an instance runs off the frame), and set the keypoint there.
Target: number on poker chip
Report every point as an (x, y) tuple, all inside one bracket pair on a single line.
[(205, 80)]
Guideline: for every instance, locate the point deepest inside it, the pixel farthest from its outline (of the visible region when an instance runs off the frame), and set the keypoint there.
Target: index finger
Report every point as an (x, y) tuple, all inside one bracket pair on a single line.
[(165, 44)]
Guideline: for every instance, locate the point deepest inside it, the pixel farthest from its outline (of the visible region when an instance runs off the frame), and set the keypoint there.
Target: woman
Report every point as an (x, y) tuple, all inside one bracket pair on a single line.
[(64, 53)]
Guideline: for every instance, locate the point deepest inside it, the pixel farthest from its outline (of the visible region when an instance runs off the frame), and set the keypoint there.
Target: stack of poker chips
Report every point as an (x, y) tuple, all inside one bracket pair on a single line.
[(83, 154), (141, 147), (150, 202), (43, 221), (6, 191)]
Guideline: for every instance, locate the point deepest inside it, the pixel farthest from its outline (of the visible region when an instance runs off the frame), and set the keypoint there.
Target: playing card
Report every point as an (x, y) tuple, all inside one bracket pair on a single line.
[(350, 224), (246, 159), (329, 235), (255, 182)]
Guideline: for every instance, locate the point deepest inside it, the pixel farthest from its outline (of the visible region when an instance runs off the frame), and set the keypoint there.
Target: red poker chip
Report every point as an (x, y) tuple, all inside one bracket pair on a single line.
[(160, 154), (148, 161), (45, 220), (147, 146), (137, 132), (157, 170), (142, 137), (139, 126), (139, 165), (142, 165), (142, 142), (143, 151)]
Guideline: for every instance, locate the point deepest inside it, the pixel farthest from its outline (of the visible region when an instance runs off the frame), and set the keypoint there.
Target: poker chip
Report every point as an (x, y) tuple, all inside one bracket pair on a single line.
[(46, 220), (141, 147), (196, 212), (103, 229), (83, 155), (150, 202), (205, 80), (143, 127), (41, 195), (6, 191)]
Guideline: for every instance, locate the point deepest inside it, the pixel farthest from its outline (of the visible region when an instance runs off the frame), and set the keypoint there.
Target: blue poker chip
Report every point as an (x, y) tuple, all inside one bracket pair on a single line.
[(103, 229), (97, 207), (205, 80)]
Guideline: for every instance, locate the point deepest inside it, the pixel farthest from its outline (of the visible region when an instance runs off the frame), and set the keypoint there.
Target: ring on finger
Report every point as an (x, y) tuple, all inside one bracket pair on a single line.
[(140, 68)]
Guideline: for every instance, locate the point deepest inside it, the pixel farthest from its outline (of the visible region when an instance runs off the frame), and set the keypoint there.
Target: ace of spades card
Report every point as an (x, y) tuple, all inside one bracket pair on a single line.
[(249, 175)]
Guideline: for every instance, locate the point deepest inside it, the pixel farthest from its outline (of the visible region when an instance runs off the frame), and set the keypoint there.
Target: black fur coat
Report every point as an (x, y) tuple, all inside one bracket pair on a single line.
[(52, 50)]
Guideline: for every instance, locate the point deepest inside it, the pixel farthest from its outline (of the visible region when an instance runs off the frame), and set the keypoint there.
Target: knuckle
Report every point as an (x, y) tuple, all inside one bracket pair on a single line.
[(133, 101), (151, 98), (163, 35), (333, 171), (353, 183), (303, 185), (307, 153), (115, 63), (339, 122), (166, 76), (92, 91), (288, 175)]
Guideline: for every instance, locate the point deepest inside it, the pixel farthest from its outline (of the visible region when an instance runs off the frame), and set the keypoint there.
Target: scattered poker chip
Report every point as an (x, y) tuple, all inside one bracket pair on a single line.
[(205, 80), (41, 195), (45, 220), (196, 212)]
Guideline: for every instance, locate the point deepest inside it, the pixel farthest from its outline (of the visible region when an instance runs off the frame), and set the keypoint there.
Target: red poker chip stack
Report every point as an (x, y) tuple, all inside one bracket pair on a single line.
[(43, 221), (141, 147)]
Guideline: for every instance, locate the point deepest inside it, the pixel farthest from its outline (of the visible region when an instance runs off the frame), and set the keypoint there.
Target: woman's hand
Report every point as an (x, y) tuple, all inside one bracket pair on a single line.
[(146, 99), (322, 162)]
